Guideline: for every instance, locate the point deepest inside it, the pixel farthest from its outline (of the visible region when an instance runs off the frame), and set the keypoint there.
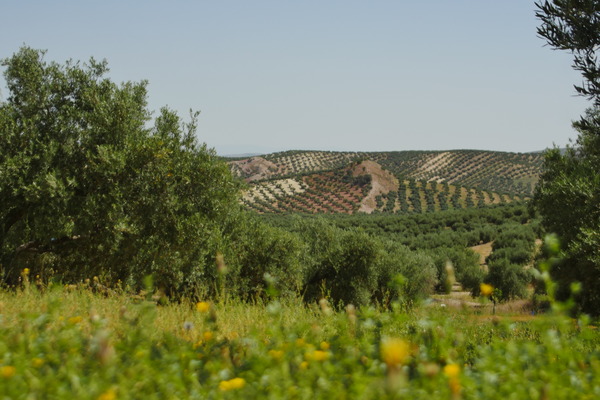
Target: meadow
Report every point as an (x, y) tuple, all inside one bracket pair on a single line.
[(81, 342)]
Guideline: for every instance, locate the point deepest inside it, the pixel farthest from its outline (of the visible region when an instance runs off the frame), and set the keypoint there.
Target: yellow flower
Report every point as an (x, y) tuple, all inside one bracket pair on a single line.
[(394, 351), (452, 370), (486, 290), (75, 320), (324, 346), (232, 384), (207, 336), (303, 365), (110, 394), (276, 354), (203, 306), (25, 271), (7, 371), (317, 355), (300, 342)]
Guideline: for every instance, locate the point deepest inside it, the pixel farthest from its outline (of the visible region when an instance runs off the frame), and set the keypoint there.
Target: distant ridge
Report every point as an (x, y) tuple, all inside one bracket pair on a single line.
[(350, 182), (244, 155)]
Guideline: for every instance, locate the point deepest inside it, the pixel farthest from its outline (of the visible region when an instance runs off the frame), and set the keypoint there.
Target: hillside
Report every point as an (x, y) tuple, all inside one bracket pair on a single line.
[(394, 182)]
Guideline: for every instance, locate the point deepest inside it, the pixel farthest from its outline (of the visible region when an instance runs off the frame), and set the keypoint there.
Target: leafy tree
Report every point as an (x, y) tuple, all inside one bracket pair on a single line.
[(510, 279), (88, 188), (568, 195), (416, 267), (574, 25)]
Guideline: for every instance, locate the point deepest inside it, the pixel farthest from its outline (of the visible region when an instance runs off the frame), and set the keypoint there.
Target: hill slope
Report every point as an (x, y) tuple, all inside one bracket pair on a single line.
[(396, 182)]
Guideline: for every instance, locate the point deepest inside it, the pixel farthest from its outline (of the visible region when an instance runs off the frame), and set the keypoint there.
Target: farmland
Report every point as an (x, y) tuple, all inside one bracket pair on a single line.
[(390, 182)]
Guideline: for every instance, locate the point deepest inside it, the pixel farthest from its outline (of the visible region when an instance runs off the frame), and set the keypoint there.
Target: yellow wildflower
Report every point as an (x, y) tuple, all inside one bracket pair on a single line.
[(207, 336), (324, 346), (26, 271), (276, 354), (7, 371), (110, 394), (394, 351), (232, 384), (75, 320), (203, 306), (486, 290), (317, 355), (303, 365), (452, 370)]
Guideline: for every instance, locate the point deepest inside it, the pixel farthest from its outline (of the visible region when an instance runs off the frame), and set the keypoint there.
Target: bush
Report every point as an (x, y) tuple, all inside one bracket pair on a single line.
[(417, 269), (511, 279), (340, 263), (258, 250)]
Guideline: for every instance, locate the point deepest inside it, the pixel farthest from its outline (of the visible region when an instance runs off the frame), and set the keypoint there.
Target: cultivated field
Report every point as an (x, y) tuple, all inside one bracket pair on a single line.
[(394, 182)]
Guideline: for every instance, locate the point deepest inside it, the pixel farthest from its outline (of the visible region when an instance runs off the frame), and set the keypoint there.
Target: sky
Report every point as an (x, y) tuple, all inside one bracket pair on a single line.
[(341, 75)]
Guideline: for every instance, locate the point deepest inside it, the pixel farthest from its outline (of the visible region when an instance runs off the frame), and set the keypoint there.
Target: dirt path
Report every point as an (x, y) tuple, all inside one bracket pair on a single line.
[(382, 182)]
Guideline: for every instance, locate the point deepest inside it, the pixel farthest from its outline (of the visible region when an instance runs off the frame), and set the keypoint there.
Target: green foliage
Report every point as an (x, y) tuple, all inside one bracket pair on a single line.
[(416, 268), (574, 26), (261, 250), (88, 189), (568, 195), (510, 279), (341, 264), (416, 246), (513, 249)]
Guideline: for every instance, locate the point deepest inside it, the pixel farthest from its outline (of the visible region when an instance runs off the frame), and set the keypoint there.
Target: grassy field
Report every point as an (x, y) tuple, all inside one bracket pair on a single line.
[(70, 342)]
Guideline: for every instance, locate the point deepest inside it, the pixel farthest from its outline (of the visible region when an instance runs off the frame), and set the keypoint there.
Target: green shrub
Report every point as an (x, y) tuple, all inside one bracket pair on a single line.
[(417, 269), (511, 279), (260, 249), (340, 263)]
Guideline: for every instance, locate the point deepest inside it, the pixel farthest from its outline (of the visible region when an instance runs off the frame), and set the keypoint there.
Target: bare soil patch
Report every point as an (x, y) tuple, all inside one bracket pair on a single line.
[(256, 168), (382, 182), (484, 250)]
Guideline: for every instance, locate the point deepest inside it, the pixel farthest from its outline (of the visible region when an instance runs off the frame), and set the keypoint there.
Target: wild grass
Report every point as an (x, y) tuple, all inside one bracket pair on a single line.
[(73, 343)]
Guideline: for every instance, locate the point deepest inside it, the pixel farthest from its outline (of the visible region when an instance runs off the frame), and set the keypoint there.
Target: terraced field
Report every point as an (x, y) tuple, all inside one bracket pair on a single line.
[(336, 191), (487, 170), (290, 163), (417, 196), (392, 182)]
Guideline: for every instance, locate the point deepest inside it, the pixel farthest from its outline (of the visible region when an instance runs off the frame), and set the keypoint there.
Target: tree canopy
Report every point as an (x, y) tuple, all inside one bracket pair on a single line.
[(574, 25), (89, 186), (568, 194)]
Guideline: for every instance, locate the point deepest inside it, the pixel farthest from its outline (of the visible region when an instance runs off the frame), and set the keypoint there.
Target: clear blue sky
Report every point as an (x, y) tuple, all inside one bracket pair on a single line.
[(324, 75)]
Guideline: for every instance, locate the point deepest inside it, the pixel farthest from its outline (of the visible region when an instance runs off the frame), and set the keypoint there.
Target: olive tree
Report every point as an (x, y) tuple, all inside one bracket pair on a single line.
[(568, 194), (90, 185)]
